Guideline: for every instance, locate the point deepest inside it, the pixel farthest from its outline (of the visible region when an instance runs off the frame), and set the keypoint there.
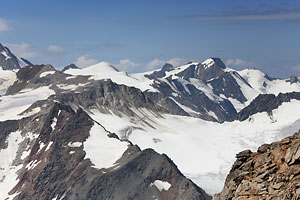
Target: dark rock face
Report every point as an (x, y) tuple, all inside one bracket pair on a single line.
[(36, 76), (8, 60), (273, 172), (204, 72), (190, 96), (177, 91), (71, 66), (226, 84), (62, 171), (134, 180), (266, 103), (106, 96), (293, 79), (6, 128), (161, 73), (27, 62)]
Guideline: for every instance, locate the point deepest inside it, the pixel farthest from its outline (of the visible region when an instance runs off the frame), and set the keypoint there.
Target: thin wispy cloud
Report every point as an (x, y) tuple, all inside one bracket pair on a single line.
[(85, 61), (158, 63), (4, 26), (295, 68), (127, 65), (176, 62), (241, 64), (55, 49), (154, 64), (251, 15)]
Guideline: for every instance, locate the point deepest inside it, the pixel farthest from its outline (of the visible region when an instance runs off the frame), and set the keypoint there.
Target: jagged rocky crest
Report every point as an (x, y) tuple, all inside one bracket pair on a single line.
[(273, 172)]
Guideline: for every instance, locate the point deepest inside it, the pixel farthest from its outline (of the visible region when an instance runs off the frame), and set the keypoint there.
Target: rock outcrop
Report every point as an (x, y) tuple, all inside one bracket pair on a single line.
[(70, 66), (266, 103), (273, 172)]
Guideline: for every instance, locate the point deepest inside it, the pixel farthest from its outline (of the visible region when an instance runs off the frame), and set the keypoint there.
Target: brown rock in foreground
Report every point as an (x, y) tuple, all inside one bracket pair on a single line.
[(273, 172)]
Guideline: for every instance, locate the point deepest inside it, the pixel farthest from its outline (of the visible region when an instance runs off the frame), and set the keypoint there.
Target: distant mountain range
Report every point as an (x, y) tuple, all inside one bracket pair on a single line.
[(101, 133)]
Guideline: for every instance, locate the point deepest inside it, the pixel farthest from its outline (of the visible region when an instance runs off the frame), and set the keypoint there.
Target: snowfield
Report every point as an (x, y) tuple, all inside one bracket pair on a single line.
[(161, 185), (12, 105), (205, 151), (102, 150), (7, 78), (9, 167), (105, 70)]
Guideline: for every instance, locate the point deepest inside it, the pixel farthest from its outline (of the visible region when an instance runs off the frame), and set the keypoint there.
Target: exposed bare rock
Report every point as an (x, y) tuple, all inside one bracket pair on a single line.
[(161, 73), (70, 66), (29, 77), (266, 103), (106, 96), (273, 172)]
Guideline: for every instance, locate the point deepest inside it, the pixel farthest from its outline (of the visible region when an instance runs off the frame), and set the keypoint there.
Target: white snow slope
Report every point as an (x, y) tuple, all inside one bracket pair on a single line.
[(7, 78), (205, 151), (105, 70), (102, 150), (12, 105)]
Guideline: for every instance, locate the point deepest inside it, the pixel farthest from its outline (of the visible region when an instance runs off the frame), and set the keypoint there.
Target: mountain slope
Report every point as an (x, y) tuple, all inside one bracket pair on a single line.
[(211, 146), (221, 85), (64, 154)]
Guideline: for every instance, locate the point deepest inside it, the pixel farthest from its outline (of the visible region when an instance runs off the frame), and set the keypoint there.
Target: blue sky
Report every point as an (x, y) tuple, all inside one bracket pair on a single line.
[(141, 35)]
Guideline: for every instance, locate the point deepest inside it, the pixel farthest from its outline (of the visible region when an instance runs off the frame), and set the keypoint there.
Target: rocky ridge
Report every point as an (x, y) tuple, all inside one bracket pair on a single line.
[(273, 172), (266, 103)]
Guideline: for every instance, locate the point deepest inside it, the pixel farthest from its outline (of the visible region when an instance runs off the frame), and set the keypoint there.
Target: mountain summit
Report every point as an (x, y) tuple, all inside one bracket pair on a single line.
[(8, 61)]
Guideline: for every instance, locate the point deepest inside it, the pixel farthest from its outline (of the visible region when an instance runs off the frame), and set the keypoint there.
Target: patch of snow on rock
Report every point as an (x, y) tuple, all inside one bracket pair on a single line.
[(46, 73), (53, 123), (75, 144), (4, 53), (102, 150), (161, 185), (8, 171)]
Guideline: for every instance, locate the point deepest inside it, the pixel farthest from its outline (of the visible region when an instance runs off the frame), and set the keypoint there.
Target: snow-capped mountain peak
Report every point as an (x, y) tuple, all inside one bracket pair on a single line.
[(8, 61), (210, 62)]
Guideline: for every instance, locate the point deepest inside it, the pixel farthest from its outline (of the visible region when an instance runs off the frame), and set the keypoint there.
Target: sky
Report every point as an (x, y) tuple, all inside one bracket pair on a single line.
[(141, 35)]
